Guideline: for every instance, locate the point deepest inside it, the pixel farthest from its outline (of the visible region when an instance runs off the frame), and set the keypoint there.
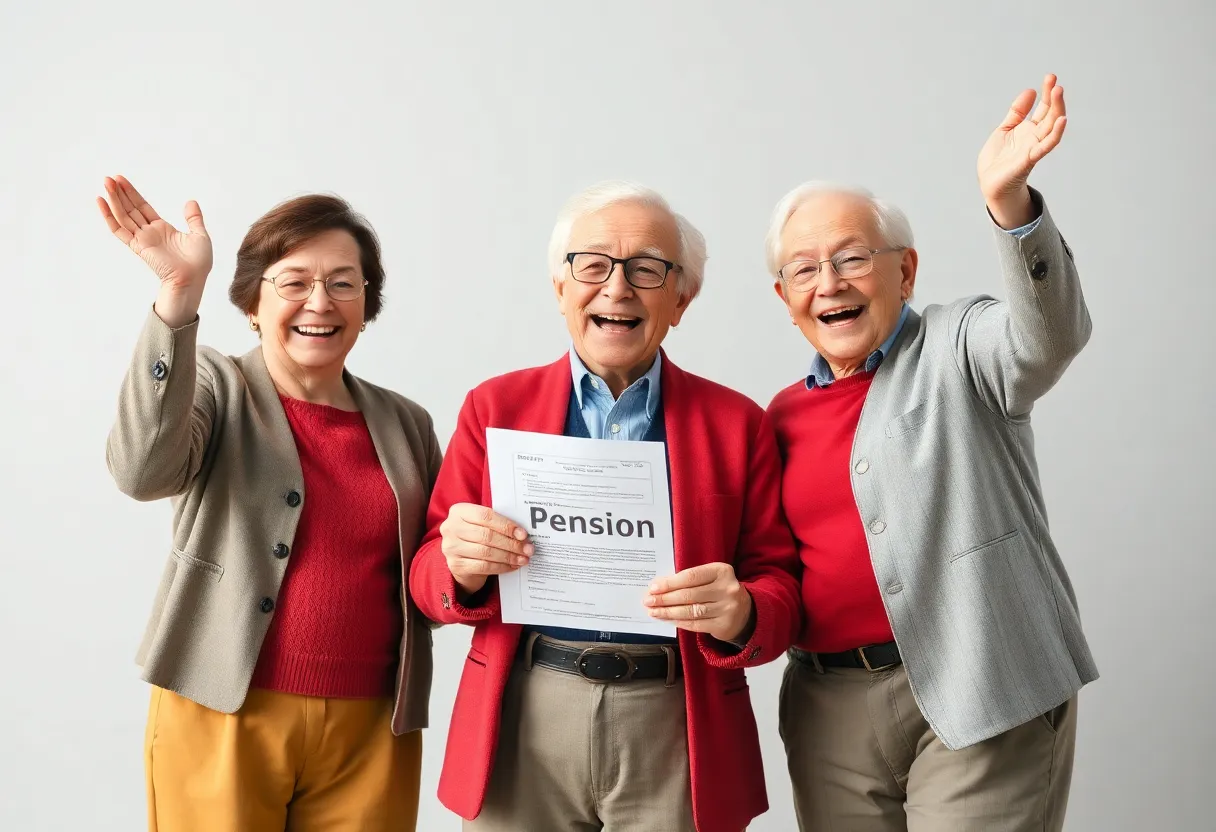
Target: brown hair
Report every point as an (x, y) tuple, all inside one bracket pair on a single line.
[(290, 225)]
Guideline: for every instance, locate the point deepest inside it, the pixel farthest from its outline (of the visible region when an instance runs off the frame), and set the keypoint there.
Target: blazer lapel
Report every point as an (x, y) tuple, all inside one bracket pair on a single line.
[(882, 376), (276, 436), (396, 458)]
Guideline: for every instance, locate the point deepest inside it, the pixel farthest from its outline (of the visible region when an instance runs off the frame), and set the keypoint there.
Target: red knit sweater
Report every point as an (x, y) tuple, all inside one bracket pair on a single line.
[(839, 591), (337, 620)]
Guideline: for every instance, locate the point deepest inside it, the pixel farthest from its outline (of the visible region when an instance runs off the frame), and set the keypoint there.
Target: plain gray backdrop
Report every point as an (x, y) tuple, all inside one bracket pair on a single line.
[(459, 129)]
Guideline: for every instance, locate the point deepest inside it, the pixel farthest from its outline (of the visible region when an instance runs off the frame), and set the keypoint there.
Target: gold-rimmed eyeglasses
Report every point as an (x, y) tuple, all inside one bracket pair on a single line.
[(340, 287)]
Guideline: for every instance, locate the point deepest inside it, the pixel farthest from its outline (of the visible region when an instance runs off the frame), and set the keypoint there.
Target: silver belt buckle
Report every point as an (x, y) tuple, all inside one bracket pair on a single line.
[(580, 664)]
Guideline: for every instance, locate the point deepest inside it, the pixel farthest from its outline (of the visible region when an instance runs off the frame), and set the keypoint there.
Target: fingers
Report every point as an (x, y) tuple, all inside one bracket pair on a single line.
[(117, 211), (455, 546), (1040, 112), (700, 599), (115, 228), (1057, 102), (1050, 130), (1049, 142), (125, 207), (696, 617), (488, 537), (194, 218), (485, 516), (693, 595), (701, 575), (1018, 110), (1054, 113), (138, 203), (475, 533)]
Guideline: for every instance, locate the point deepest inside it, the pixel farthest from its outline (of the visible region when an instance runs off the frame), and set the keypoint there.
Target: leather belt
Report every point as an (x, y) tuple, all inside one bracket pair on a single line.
[(604, 663), (873, 658)]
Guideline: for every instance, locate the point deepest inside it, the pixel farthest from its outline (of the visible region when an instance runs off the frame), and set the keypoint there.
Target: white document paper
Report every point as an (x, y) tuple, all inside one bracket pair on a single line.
[(599, 516)]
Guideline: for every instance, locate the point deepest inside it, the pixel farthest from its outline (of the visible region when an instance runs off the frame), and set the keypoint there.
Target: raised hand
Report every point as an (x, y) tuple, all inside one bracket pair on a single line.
[(704, 599), (182, 261), (1015, 147), (477, 542)]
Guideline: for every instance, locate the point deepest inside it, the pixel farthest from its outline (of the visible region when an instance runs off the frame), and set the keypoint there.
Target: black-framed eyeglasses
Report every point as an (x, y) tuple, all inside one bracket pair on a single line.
[(642, 272), (342, 288), (850, 264)]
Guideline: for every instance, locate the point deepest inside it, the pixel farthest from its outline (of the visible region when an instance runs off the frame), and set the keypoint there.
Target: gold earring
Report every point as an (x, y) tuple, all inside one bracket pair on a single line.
[(364, 327), (253, 324)]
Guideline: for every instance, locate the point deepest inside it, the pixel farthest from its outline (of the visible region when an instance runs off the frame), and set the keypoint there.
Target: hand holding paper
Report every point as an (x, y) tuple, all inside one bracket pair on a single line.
[(599, 516), (478, 542), (704, 599)]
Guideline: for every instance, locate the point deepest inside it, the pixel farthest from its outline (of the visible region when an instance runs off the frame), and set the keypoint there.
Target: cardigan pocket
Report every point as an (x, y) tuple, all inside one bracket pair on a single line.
[(1004, 620), (973, 549), (190, 561), (914, 418)]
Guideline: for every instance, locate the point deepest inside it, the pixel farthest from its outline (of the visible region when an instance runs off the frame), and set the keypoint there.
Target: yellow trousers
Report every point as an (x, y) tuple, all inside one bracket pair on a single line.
[(282, 762)]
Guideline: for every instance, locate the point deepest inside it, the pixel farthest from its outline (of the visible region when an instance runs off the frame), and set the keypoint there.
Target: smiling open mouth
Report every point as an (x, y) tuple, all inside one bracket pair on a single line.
[(316, 331), (615, 323), (843, 315)]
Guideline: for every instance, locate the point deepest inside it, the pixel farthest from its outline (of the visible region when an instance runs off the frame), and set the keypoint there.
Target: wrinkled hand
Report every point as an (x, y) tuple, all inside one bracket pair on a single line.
[(704, 599), (182, 261), (477, 542), (1014, 148)]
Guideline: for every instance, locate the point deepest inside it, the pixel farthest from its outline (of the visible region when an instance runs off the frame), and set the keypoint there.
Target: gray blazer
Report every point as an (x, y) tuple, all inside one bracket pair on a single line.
[(944, 474), (209, 431)]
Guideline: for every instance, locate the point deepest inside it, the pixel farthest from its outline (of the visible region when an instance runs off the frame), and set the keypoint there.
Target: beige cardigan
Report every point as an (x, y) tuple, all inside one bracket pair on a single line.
[(209, 431)]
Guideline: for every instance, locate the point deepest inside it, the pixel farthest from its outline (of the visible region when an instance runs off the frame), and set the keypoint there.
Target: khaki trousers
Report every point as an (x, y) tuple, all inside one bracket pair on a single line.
[(282, 762), (862, 758), (578, 755)]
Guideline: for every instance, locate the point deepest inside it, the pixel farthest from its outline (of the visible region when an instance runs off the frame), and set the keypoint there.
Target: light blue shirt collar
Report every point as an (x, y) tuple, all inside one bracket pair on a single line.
[(821, 373), (650, 381)]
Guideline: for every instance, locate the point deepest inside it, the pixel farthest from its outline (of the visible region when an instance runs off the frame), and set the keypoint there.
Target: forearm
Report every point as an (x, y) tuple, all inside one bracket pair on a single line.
[(1014, 351), (164, 418), (766, 564), (440, 598), (1014, 210), (1048, 316), (776, 619)]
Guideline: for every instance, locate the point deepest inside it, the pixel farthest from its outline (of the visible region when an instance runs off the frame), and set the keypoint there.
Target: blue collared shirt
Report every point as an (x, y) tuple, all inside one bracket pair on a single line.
[(821, 374), (628, 417)]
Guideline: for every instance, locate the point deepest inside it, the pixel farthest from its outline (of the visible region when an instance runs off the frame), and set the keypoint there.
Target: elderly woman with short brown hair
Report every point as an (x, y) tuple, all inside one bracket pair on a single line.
[(290, 669)]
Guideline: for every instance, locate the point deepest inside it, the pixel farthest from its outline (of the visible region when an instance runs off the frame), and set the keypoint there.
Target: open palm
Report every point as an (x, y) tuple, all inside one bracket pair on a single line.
[(181, 260), (1018, 144)]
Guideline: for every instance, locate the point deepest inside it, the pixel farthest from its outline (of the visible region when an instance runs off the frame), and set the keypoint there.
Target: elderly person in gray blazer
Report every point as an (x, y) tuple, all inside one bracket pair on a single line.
[(290, 669), (934, 686)]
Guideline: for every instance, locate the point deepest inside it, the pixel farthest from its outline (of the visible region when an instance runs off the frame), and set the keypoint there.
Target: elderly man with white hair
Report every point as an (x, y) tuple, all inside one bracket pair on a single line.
[(934, 685), (640, 733)]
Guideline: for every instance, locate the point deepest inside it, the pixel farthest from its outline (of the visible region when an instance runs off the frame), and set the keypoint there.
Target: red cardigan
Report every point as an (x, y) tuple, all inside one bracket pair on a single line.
[(725, 490)]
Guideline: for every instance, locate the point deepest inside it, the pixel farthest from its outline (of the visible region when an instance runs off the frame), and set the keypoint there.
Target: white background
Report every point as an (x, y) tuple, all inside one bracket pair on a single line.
[(458, 129)]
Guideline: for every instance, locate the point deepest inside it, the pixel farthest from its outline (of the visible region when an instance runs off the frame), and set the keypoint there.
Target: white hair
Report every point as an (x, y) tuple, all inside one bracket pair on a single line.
[(692, 254), (893, 225)]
